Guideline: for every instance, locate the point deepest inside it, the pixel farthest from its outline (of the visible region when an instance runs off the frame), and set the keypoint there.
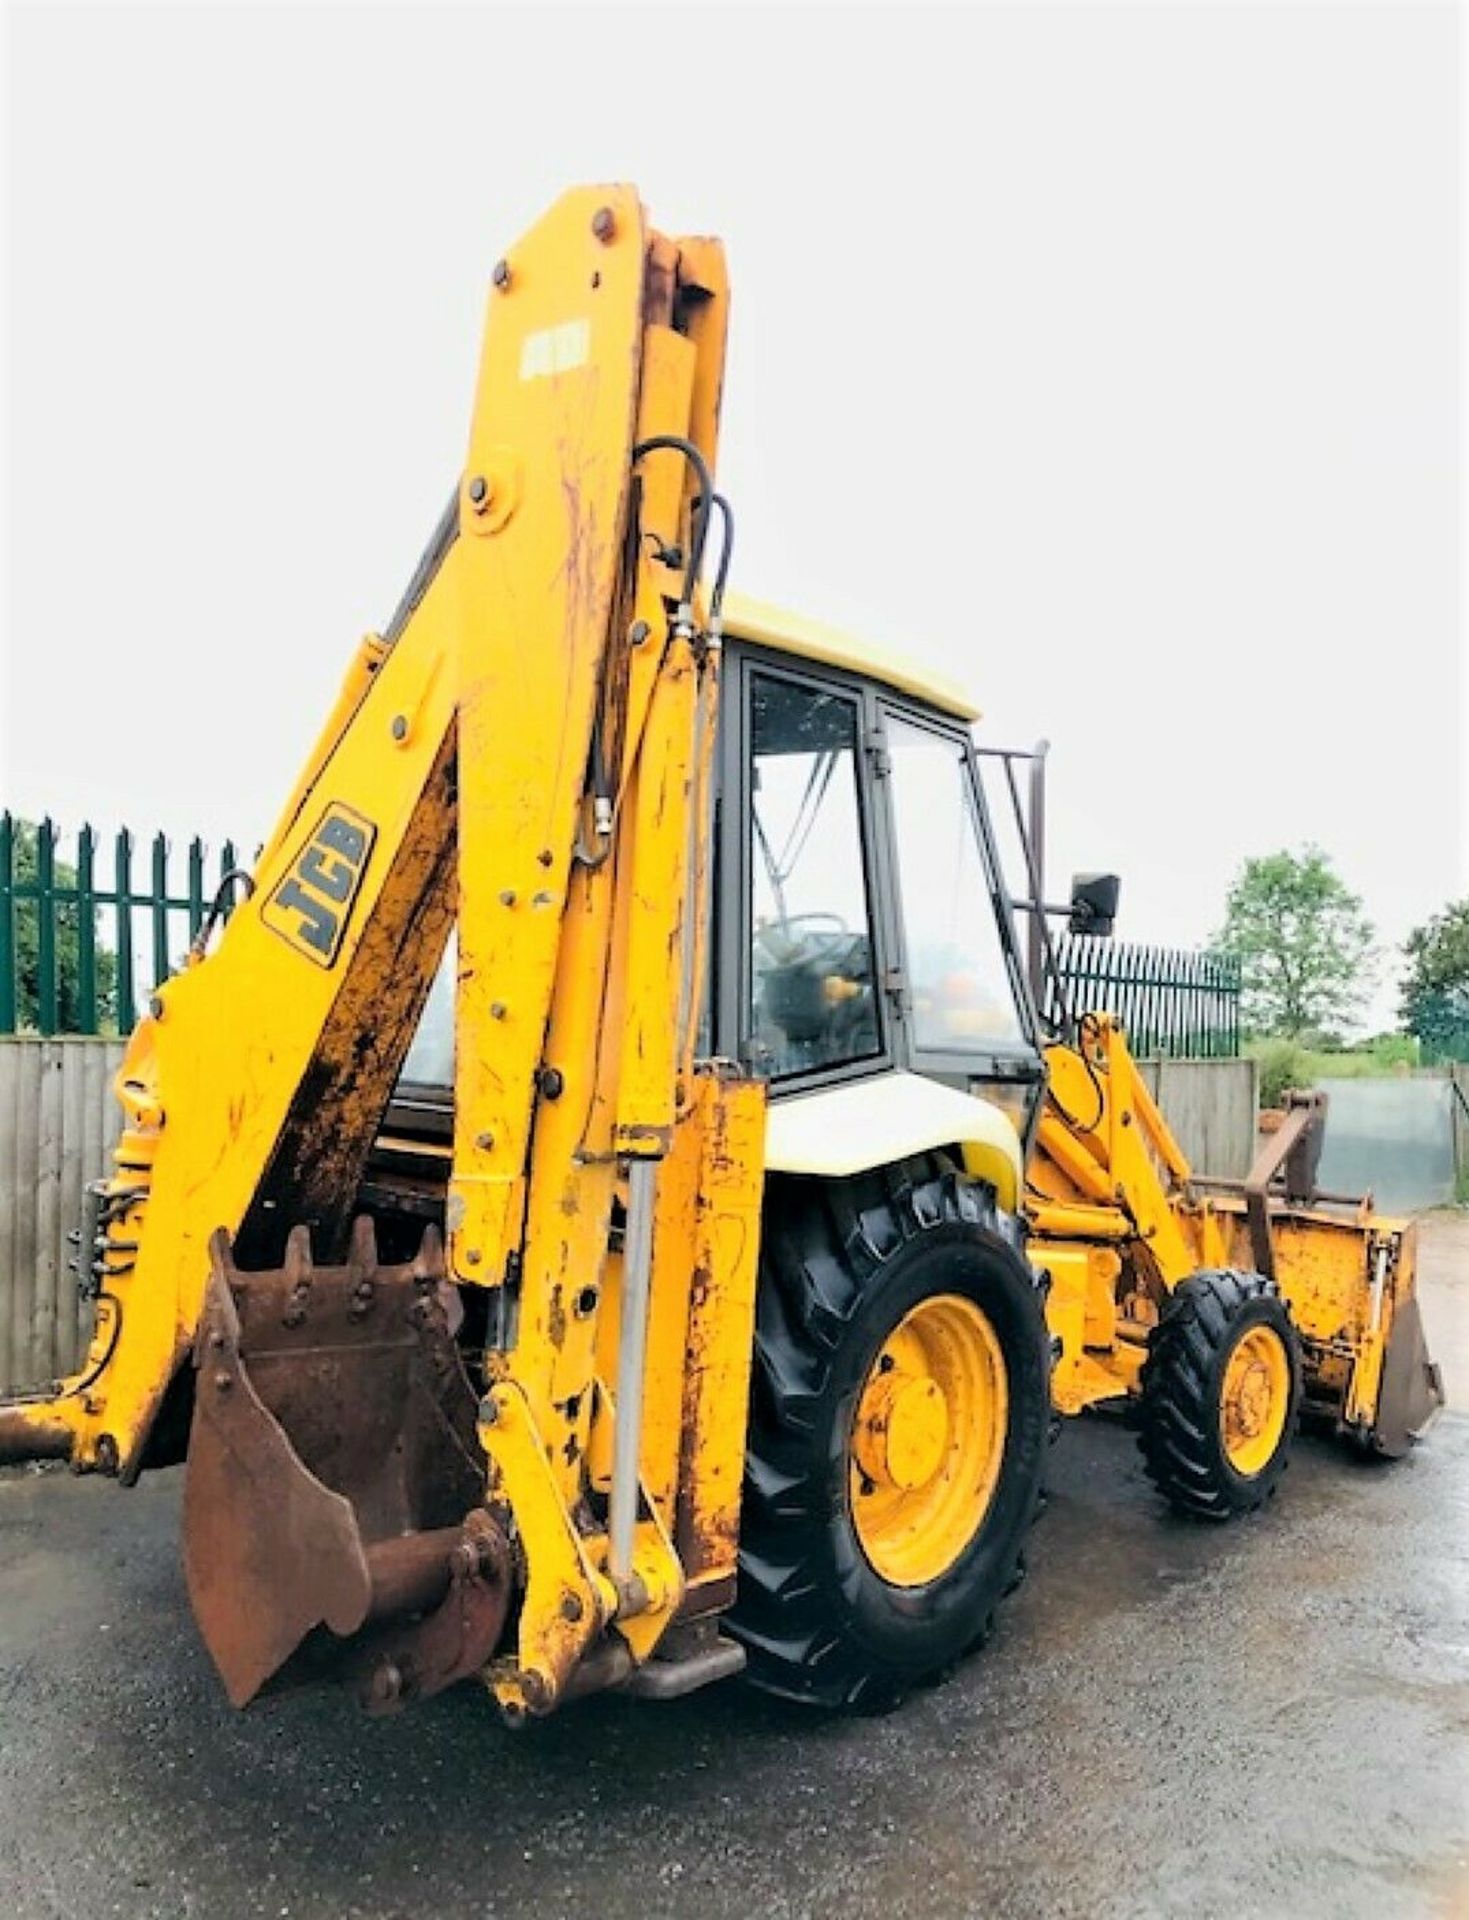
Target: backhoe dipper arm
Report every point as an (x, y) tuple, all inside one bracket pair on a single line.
[(540, 698)]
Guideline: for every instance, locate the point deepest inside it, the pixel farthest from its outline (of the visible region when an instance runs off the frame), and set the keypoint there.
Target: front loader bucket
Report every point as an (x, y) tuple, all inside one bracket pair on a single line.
[(334, 1485), (1412, 1386), (1350, 1279)]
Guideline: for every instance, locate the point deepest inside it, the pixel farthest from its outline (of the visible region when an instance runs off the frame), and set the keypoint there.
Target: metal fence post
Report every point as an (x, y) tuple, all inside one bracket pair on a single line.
[(161, 967), (1170, 1002), (8, 994), (46, 1020), (60, 971), (86, 983), (127, 1009), (196, 886)]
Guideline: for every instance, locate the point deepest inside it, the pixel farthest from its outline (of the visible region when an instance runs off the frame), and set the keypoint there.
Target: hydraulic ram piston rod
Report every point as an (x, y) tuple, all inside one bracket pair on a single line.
[(632, 1349)]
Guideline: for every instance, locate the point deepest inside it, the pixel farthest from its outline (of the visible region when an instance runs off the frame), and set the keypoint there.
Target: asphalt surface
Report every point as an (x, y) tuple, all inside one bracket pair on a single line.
[(1270, 1720)]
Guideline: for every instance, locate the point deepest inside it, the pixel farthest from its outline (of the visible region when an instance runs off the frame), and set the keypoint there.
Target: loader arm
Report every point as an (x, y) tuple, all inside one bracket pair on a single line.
[(1121, 1222), (527, 754)]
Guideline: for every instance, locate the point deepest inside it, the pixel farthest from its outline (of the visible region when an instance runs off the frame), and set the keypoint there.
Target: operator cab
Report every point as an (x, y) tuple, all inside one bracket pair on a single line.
[(856, 858), (860, 919)]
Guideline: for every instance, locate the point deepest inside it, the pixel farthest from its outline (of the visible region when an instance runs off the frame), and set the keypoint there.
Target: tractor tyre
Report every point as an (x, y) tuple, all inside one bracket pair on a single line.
[(1220, 1393), (899, 1419)]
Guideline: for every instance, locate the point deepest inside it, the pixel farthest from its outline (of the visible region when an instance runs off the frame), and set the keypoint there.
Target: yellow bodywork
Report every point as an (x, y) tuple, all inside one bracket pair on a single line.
[(1119, 1221), (529, 755), (207, 1085), (802, 638)]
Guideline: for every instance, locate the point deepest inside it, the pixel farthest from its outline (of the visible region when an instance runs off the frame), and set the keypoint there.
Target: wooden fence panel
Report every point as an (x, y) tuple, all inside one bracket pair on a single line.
[(58, 1122), (1213, 1108), (26, 1367)]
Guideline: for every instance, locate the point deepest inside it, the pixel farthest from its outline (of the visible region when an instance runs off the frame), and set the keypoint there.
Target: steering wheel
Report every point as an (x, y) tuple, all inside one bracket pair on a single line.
[(832, 920), (782, 943)]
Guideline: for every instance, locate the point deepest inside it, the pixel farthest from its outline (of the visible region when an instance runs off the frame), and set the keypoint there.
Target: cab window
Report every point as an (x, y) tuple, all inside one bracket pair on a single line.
[(811, 1001), (959, 988)]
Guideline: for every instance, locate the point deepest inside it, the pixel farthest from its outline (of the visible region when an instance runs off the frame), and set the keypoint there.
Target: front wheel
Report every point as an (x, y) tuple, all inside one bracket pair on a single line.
[(900, 1410), (1220, 1394)]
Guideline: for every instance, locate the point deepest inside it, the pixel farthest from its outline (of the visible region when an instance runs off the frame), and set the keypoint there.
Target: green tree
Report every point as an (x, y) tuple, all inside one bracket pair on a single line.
[(1435, 998), (1303, 941), (68, 945)]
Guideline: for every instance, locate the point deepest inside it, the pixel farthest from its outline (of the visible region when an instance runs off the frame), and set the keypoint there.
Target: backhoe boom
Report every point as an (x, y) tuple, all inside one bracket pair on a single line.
[(528, 757)]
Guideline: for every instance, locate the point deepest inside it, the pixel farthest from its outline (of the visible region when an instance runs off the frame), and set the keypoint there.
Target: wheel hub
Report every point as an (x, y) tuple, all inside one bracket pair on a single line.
[(1254, 1399), (928, 1440), (902, 1429), (1251, 1402)]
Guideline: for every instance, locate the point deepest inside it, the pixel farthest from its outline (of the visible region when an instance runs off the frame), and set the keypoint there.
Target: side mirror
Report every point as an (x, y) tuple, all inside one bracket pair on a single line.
[(1094, 904)]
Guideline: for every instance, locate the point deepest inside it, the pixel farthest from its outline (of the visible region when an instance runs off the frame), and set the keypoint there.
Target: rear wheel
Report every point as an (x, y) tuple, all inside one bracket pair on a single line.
[(900, 1408), (1220, 1393)]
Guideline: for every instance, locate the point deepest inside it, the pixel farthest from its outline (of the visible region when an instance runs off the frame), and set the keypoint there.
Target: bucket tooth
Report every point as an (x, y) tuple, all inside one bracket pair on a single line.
[(362, 1251), (429, 1261), (298, 1256)]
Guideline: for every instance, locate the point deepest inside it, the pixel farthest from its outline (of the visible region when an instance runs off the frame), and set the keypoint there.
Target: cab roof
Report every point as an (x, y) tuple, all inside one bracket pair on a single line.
[(793, 633)]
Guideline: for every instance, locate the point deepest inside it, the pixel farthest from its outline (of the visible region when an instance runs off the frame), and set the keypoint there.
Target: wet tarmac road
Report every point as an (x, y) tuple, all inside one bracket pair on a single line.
[(1271, 1720)]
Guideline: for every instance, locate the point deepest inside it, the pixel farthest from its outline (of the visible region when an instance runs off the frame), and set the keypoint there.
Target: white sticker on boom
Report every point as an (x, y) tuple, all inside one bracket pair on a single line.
[(555, 349)]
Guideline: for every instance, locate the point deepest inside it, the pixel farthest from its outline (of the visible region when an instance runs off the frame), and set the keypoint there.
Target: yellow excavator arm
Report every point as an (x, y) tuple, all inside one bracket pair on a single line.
[(528, 755)]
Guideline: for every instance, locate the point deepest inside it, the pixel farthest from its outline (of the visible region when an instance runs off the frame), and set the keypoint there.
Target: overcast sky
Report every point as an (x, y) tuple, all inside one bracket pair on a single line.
[(1108, 357)]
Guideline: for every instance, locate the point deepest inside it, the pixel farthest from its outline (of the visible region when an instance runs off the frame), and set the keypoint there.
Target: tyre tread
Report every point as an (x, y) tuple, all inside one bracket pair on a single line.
[(824, 1243), (1178, 1415)]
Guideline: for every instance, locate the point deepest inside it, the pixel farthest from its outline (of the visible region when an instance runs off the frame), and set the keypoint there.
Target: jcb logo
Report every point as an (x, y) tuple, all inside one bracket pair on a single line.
[(311, 906)]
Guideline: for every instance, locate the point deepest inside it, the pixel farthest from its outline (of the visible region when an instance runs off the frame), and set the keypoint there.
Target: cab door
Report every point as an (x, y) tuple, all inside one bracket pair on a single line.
[(800, 988), (961, 1005)]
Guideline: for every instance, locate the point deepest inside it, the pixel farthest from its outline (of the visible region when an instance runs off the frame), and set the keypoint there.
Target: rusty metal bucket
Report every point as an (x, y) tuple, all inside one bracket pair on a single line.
[(1412, 1393), (332, 1501)]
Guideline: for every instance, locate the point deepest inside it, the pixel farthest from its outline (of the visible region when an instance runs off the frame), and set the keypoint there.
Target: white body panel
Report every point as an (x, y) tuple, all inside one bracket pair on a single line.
[(859, 1124)]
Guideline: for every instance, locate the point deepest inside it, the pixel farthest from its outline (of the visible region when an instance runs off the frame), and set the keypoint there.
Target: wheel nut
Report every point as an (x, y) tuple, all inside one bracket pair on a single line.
[(385, 1688)]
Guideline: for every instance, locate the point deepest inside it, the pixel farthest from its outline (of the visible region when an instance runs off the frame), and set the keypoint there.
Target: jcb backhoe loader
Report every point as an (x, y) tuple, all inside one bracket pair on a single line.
[(704, 1305)]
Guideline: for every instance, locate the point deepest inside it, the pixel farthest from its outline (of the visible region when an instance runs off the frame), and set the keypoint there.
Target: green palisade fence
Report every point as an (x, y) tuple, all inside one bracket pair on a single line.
[(1173, 1004), (85, 930)]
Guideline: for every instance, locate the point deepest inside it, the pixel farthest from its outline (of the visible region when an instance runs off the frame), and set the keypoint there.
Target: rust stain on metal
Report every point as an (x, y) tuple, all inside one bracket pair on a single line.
[(332, 1458), (334, 1115), (471, 1582), (23, 1439), (556, 1317)]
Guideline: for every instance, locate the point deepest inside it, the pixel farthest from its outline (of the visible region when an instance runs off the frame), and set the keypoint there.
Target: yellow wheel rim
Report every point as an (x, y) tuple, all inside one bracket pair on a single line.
[(928, 1440), (1255, 1400)]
